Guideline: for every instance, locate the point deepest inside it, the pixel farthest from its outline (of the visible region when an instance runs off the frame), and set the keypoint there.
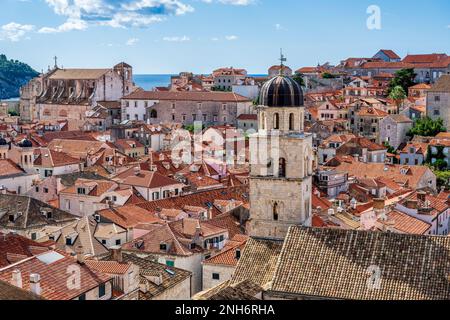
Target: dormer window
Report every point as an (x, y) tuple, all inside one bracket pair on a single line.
[(163, 246), (12, 218), (68, 241), (81, 190)]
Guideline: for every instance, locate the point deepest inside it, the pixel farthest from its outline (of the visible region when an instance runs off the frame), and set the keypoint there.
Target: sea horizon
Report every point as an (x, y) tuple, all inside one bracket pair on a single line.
[(148, 81)]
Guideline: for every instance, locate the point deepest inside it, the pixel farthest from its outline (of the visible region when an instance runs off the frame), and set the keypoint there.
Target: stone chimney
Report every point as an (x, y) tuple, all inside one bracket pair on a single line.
[(379, 204), (35, 283), (421, 196), (17, 278), (116, 253), (80, 255)]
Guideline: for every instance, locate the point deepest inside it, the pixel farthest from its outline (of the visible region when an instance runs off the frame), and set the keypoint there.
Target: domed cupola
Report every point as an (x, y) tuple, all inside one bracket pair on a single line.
[(25, 143), (281, 91)]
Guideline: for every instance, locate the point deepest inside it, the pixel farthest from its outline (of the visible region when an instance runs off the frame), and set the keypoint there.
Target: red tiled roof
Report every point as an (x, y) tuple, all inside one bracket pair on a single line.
[(187, 96), (15, 245), (50, 159), (391, 54), (248, 117), (424, 58), (54, 275)]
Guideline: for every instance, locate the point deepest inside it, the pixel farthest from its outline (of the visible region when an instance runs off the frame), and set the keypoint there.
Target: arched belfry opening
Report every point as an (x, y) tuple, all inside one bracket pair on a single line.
[(276, 121), (291, 122)]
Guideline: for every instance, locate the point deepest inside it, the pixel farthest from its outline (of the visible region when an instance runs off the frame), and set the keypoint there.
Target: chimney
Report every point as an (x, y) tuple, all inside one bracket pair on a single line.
[(421, 196), (35, 283), (80, 255), (17, 278), (378, 204), (116, 254)]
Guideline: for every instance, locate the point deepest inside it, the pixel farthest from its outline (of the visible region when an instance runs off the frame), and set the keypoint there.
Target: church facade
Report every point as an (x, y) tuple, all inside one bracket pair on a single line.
[(281, 162)]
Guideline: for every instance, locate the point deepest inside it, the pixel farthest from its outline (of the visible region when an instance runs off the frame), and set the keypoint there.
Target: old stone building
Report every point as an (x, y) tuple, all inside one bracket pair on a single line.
[(281, 161), (71, 93), (185, 107), (438, 100)]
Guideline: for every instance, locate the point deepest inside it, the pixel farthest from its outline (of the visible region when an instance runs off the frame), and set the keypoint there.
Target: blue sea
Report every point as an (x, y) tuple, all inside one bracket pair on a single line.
[(150, 81)]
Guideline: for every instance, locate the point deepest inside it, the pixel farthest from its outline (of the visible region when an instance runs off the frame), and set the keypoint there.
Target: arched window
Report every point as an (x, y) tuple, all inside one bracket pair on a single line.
[(275, 211), (282, 168), (153, 114), (276, 121), (291, 121)]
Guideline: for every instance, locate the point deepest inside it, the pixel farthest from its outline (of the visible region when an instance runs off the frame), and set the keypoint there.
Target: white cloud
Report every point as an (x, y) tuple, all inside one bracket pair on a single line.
[(114, 13), (132, 41), (69, 25), (279, 27), (177, 39), (214, 39), (14, 31), (231, 38), (232, 2)]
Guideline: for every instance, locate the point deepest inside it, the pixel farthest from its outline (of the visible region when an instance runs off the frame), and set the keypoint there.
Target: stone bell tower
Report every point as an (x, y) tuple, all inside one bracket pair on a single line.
[(281, 162)]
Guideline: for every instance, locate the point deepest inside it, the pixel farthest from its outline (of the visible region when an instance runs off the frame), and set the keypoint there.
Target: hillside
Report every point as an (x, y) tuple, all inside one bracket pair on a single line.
[(13, 75)]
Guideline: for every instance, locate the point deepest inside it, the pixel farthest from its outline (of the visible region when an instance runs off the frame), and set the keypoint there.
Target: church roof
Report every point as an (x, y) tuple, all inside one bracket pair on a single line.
[(281, 91)]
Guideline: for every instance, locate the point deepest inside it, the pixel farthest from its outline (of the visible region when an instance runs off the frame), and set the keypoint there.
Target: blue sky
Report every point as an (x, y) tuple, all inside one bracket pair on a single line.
[(168, 36)]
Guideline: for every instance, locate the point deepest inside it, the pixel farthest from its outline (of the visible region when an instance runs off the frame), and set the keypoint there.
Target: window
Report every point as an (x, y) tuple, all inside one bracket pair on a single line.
[(33, 236), (216, 276), (291, 121), (282, 168), (436, 112), (163, 246), (81, 190), (276, 121), (173, 117), (173, 106), (275, 211), (101, 290), (82, 297), (68, 241), (135, 104), (224, 106), (153, 114), (194, 117), (103, 242), (437, 98), (37, 189), (155, 195)]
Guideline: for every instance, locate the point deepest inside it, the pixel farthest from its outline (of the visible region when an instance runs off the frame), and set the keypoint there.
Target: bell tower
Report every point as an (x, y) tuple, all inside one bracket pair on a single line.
[(281, 162)]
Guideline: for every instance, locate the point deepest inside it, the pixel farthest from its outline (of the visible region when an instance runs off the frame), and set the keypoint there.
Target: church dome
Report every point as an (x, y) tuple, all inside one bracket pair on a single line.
[(25, 143), (3, 141), (281, 91)]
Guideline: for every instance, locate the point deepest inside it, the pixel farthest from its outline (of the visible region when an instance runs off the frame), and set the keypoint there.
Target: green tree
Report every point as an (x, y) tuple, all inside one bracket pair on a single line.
[(327, 75), (397, 93), (427, 127), (403, 78), (390, 149), (299, 79), (13, 113)]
